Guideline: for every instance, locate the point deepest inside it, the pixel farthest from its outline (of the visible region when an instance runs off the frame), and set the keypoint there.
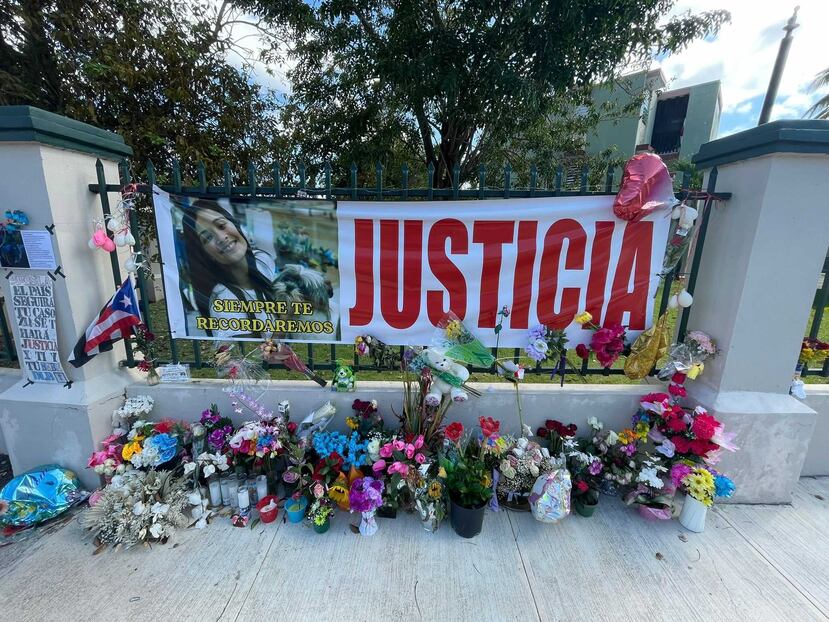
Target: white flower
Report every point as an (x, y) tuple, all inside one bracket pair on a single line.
[(194, 498), (156, 530), (374, 404), (545, 452), (650, 476), (99, 469), (541, 346), (197, 429), (534, 469), (189, 467), (522, 442), (612, 438), (373, 449), (569, 443), (527, 430), (209, 470), (160, 508), (594, 423), (138, 508)]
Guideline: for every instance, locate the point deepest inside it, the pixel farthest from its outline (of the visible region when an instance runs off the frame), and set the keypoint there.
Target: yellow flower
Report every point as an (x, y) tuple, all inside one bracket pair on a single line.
[(642, 430), (453, 329), (486, 481), (130, 449), (583, 318), (442, 473), (627, 436), (339, 494), (435, 490), (352, 423)]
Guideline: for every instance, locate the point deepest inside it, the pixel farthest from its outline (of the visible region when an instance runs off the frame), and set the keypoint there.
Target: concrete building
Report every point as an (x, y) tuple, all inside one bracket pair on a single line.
[(675, 123)]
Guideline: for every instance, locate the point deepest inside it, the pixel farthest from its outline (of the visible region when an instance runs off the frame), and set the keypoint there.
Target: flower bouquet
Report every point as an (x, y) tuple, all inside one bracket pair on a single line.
[(398, 465), (688, 357), (365, 496), (651, 494), (518, 470), (585, 470), (607, 342), (430, 503), (149, 445), (139, 507), (701, 485)]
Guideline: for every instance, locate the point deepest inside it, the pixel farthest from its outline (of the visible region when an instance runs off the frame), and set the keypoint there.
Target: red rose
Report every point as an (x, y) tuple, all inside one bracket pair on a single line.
[(582, 486), (568, 430), (489, 426), (552, 424), (677, 425), (292, 427), (542, 432), (678, 378), (704, 427), (453, 431), (582, 351), (677, 390)]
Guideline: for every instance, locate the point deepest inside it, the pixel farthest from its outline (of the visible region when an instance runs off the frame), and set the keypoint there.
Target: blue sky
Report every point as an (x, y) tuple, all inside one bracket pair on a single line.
[(742, 57)]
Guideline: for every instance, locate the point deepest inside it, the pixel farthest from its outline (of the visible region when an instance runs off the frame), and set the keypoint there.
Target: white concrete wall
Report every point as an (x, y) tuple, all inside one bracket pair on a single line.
[(817, 458)]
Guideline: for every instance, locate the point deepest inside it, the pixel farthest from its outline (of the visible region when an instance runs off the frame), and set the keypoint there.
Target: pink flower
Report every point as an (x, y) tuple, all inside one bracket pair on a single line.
[(410, 450), (378, 466), (420, 458), (386, 451), (677, 390), (97, 458), (319, 491), (678, 473), (112, 438), (418, 442), (399, 467), (608, 343), (398, 445)]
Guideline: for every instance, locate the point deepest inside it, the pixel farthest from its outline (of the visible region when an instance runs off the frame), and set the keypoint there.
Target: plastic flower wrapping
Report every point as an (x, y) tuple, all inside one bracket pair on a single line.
[(550, 496), (454, 340), (689, 356), (40, 494)]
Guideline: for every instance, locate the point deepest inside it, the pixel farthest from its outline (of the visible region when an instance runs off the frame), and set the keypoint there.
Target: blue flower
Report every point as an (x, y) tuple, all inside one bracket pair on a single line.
[(165, 445), (723, 486)]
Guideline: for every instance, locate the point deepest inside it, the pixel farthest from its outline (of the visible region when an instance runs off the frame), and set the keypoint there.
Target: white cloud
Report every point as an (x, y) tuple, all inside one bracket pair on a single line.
[(743, 55)]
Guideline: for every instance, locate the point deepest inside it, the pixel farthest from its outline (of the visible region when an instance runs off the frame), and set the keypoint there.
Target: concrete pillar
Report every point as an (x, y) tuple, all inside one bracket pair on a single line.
[(762, 257), (46, 165)]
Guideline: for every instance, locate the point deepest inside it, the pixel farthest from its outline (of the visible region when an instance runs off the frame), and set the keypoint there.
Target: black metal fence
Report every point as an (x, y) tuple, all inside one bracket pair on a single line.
[(561, 182)]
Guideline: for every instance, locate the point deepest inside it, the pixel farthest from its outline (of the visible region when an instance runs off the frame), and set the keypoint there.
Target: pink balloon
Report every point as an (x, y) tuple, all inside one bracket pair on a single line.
[(646, 186)]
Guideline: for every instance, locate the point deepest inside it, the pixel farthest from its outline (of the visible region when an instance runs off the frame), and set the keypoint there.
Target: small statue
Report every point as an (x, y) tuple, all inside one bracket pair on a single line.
[(344, 381)]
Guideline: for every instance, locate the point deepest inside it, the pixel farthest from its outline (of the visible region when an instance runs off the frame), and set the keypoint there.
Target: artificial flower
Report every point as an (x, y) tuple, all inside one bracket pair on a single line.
[(582, 351), (435, 490), (608, 343), (489, 426), (583, 318)]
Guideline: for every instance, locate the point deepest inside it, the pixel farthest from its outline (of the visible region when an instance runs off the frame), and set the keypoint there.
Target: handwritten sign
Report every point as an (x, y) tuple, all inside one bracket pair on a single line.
[(174, 373), (33, 310)]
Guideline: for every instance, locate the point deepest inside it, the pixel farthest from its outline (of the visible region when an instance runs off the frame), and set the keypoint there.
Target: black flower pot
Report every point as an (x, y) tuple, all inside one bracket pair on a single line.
[(467, 522), (386, 511)]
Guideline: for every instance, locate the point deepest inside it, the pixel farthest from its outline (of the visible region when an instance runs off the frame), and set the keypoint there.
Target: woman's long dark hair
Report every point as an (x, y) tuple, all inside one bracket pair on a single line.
[(205, 272)]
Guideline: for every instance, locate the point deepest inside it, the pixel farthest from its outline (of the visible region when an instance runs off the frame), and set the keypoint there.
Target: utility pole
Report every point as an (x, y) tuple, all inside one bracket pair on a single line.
[(779, 65)]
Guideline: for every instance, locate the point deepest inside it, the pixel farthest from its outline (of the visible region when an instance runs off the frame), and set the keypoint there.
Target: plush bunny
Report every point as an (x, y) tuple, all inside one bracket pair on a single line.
[(440, 364)]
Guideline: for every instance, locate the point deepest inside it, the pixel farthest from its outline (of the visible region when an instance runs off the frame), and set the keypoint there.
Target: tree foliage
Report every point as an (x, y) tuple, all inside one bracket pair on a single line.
[(820, 110), (459, 83), (155, 72)]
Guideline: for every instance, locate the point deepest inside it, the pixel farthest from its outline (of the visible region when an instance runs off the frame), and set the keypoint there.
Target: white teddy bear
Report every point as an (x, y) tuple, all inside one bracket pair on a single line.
[(438, 361)]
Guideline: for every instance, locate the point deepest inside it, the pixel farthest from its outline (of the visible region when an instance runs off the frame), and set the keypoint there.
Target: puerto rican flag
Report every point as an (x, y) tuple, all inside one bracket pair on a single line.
[(114, 322)]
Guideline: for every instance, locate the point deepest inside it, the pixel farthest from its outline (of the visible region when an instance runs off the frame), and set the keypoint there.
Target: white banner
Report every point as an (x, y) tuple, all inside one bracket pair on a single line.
[(404, 265), (33, 311)]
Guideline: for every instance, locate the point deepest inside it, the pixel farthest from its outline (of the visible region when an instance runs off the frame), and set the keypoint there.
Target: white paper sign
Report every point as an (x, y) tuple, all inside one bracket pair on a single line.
[(174, 373), (33, 311), (28, 250)]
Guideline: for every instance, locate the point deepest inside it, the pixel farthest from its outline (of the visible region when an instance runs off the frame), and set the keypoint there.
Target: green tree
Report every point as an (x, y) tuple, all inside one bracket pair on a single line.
[(821, 108), (457, 82), (155, 72)]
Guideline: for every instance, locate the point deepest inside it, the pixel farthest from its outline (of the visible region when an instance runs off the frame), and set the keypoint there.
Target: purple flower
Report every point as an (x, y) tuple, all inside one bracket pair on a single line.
[(366, 494), (216, 439), (629, 449), (678, 472), (595, 467), (538, 332)]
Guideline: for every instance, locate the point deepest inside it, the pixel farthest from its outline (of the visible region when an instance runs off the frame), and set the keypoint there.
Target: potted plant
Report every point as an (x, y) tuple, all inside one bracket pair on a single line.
[(467, 478), (653, 494), (319, 514), (586, 469), (398, 464), (295, 507)]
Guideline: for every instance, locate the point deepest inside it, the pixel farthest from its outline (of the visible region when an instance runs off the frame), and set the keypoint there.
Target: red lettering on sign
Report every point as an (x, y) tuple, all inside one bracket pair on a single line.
[(363, 310), (493, 234), (599, 261), (445, 271), (390, 280), (522, 285), (571, 230), (634, 260)]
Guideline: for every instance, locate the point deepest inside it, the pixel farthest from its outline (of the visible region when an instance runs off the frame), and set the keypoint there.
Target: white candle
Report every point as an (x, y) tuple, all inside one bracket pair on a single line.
[(215, 493), (244, 498), (225, 481), (261, 487)]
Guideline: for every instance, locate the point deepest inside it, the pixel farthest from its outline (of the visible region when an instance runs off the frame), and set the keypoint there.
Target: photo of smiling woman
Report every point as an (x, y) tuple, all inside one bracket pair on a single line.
[(244, 290)]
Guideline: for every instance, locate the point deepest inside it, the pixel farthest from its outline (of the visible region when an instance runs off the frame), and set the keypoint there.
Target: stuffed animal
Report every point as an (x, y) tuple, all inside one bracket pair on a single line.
[(344, 381), (448, 377)]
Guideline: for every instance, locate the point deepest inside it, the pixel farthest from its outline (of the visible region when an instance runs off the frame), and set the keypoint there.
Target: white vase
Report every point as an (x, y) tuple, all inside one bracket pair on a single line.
[(368, 524), (693, 514)]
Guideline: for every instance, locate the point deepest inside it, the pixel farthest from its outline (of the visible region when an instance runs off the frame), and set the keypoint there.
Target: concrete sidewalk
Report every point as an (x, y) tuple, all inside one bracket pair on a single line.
[(752, 563)]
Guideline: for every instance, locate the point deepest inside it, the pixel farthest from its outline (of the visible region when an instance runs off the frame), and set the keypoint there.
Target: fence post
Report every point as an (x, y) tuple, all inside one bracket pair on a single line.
[(47, 163), (764, 250)]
